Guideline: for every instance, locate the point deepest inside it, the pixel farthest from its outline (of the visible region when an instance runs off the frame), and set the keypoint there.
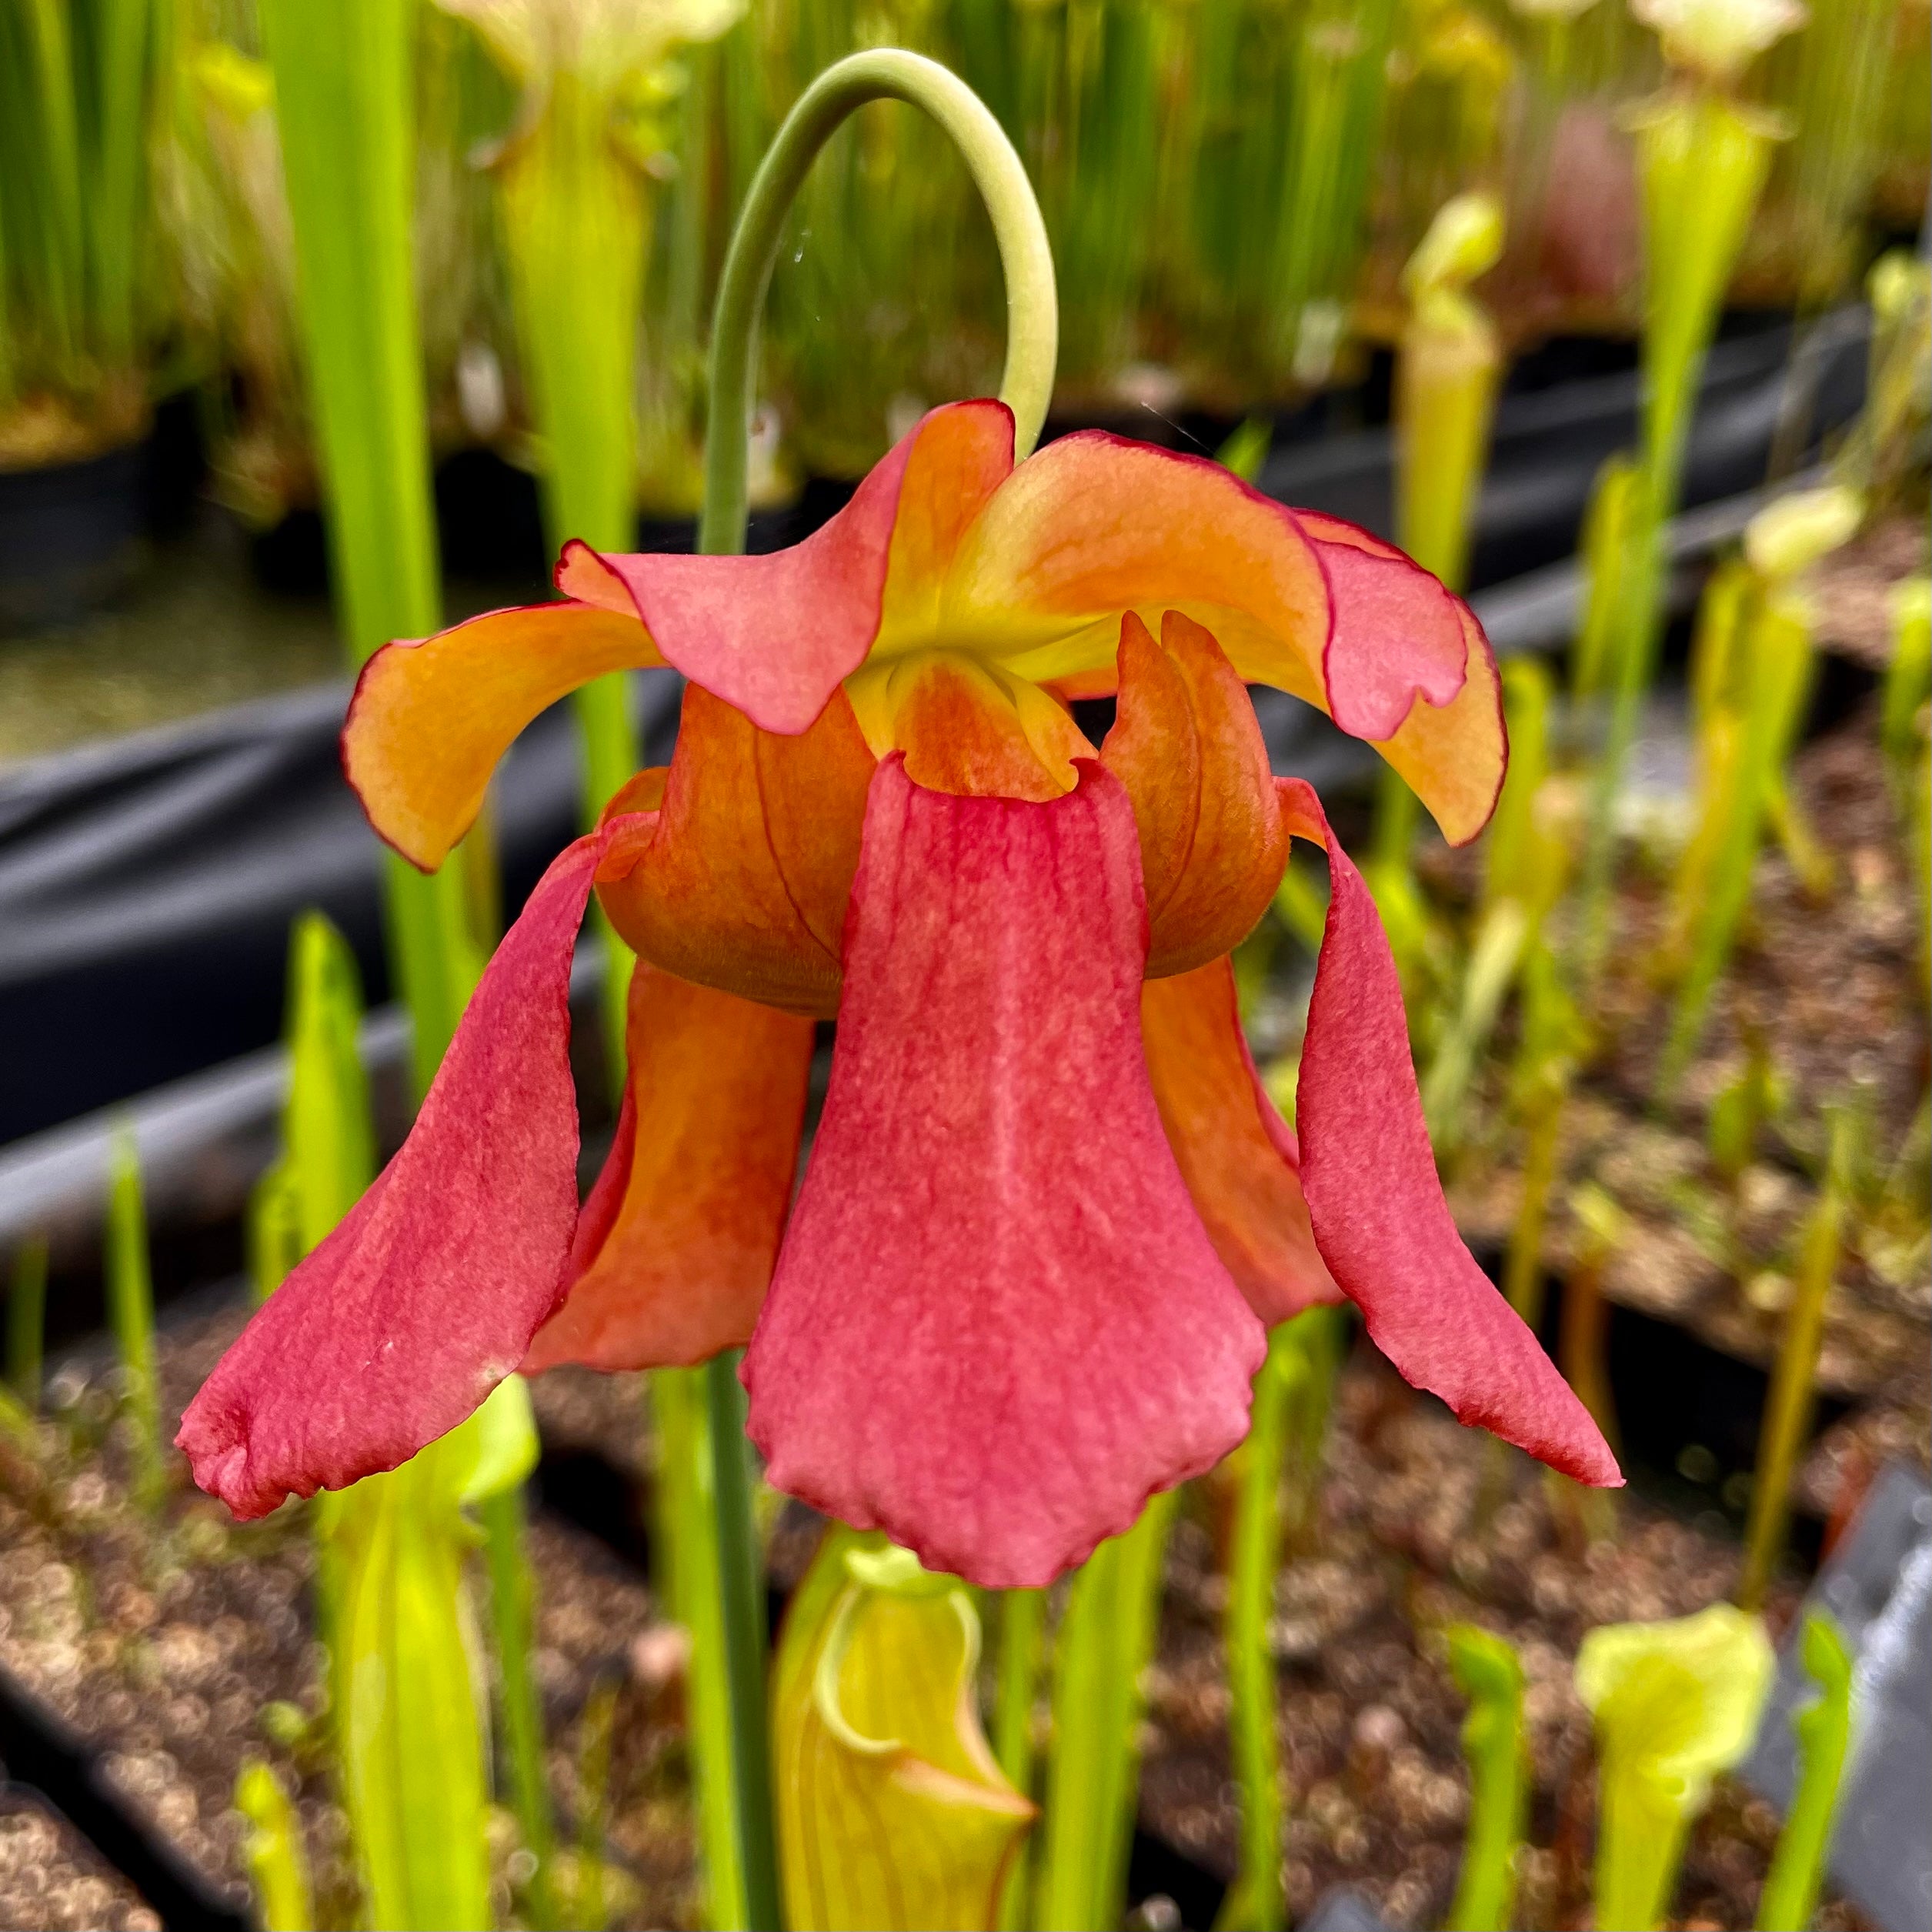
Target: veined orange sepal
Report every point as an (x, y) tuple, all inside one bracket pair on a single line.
[(1186, 745)]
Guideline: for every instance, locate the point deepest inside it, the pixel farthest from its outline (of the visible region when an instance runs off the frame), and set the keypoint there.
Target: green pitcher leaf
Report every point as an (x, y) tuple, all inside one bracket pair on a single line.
[(892, 1811), (1823, 1727), (1675, 1703), (503, 1446)]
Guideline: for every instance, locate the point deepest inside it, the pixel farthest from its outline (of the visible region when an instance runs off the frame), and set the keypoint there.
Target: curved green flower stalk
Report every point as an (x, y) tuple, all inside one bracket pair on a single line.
[(892, 1809), (1675, 1703), (1032, 309), (1106, 1641), (1490, 1673), (1822, 1728)]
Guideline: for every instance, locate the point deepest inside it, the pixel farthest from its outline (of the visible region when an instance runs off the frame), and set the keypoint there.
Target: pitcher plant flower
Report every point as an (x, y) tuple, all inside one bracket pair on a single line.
[(1048, 1209)]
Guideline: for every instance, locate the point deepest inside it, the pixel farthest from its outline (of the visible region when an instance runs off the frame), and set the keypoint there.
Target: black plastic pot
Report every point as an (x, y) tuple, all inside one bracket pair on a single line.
[(70, 536)]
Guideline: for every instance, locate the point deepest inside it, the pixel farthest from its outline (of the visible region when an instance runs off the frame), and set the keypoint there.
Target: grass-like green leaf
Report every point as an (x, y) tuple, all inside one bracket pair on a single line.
[(1106, 1640)]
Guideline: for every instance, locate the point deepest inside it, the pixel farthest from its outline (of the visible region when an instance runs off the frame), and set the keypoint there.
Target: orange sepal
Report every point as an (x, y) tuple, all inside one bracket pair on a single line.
[(430, 717), (1236, 1154), (1186, 744), (744, 883), (678, 1262)]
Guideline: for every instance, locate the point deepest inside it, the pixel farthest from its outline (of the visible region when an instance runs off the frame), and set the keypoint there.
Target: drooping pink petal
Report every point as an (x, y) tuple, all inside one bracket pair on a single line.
[(997, 1324), (775, 635), (426, 1297), (1377, 1208)]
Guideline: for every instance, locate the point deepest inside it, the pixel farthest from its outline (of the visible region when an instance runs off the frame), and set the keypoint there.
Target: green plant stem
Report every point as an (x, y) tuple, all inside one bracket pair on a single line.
[(1581, 1345), (690, 1587), (505, 1552), (1023, 1624), (343, 82), (1256, 1902), (741, 1578), (575, 211), (1032, 309), (1702, 163), (1523, 1266), (1105, 1642), (1908, 681), (1605, 544), (1779, 653), (1823, 1732), (1500, 941), (131, 1308), (278, 1865), (1490, 1674), (27, 1319), (1788, 1407), (600, 1723)]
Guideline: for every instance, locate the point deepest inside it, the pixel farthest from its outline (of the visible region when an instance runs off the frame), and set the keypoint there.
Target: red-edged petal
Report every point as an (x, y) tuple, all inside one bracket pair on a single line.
[(743, 886), (1396, 637), (1186, 744), (1377, 1208), (1237, 1153), (1094, 525), (693, 1196), (396, 1327), (775, 635), (997, 1324), (1408, 665)]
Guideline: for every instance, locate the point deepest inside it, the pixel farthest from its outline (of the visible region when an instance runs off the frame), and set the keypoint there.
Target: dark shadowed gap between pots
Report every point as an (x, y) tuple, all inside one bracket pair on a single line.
[(40, 1752)]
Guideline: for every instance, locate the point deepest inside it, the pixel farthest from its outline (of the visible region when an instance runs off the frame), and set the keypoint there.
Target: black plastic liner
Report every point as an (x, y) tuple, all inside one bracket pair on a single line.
[(147, 884), (43, 1755)]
